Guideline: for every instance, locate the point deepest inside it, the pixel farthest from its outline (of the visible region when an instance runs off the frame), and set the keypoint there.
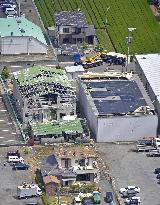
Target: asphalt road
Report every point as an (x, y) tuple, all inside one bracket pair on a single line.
[(131, 168)]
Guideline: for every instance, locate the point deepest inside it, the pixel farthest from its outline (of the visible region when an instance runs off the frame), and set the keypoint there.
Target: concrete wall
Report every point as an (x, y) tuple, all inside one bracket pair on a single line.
[(118, 128), (22, 45), (88, 110), (126, 128)]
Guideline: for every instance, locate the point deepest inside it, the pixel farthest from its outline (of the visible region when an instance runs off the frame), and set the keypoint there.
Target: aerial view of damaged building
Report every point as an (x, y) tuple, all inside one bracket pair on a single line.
[(116, 107), (69, 165), (46, 104)]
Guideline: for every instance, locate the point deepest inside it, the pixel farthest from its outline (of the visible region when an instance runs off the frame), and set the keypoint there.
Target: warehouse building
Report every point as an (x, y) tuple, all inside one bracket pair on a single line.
[(43, 94), (20, 36), (46, 104), (115, 108), (148, 69)]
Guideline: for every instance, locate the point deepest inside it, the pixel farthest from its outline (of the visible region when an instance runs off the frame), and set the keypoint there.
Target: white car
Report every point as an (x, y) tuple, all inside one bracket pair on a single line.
[(11, 16), (134, 198), (135, 188)]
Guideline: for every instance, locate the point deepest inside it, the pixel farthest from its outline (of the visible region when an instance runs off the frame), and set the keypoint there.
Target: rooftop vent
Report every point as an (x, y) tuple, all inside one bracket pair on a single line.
[(11, 33), (22, 30), (18, 21)]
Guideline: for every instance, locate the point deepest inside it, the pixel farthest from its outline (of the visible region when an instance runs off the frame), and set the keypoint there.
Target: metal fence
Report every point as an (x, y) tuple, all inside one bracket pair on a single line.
[(13, 114)]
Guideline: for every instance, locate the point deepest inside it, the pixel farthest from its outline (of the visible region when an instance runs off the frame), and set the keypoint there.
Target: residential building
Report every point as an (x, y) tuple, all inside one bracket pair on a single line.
[(50, 185), (115, 108), (71, 28), (21, 36), (148, 69), (73, 164)]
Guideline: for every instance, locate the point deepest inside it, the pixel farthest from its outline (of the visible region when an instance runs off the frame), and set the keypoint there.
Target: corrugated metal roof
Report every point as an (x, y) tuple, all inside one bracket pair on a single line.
[(150, 64), (20, 27)]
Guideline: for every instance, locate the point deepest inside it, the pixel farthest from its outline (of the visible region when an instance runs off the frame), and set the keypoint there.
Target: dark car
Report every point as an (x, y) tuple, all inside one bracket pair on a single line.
[(158, 176), (32, 203), (109, 197), (157, 171), (20, 166), (87, 201), (133, 201)]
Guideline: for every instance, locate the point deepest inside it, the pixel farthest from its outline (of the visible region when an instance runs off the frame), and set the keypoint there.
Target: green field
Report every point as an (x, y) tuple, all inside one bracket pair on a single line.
[(121, 15)]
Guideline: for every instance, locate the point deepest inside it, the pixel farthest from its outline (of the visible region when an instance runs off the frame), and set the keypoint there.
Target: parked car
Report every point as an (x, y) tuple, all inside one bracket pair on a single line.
[(87, 201), (109, 197), (133, 200), (158, 176), (130, 193), (15, 159), (20, 166), (157, 171), (13, 153), (32, 203), (10, 11), (136, 188), (96, 197)]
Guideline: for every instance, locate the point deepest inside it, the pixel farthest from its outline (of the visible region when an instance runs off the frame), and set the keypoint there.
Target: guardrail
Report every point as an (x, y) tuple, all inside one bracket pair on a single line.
[(10, 108)]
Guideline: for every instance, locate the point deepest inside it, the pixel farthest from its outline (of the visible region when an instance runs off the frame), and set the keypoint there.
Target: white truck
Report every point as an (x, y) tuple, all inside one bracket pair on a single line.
[(28, 190)]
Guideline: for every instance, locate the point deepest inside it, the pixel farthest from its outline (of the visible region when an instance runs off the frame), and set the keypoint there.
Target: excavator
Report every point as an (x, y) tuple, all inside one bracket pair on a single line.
[(88, 62)]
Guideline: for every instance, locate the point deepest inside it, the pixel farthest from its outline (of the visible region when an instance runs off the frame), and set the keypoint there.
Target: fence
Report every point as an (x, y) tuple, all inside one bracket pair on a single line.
[(10, 108)]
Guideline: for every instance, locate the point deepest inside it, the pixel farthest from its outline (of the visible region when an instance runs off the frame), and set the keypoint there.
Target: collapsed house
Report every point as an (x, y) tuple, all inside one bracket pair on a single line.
[(71, 164), (46, 102)]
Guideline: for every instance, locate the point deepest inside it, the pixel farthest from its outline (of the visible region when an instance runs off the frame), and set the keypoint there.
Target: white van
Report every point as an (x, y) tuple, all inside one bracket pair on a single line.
[(77, 201), (15, 159), (10, 11)]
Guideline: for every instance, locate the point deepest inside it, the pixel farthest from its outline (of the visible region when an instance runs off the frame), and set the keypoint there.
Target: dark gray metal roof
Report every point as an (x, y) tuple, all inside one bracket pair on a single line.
[(50, 167), (69, 18), (115, 96), (90, 31)]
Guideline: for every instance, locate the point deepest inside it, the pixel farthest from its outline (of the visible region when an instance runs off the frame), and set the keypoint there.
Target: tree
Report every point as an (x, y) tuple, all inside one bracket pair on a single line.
[(5, 73), (85, 45)]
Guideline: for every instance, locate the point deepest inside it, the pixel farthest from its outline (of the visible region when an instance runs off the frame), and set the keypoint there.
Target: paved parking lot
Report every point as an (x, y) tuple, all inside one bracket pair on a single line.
[(7, 128), (9, 181), (131, 168)]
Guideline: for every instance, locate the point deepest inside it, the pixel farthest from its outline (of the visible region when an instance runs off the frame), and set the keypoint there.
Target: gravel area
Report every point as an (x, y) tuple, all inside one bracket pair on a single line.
[(131, 168)]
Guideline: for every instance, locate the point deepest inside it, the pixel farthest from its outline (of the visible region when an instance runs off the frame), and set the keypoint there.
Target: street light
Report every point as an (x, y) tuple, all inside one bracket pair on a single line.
[(129, 40)]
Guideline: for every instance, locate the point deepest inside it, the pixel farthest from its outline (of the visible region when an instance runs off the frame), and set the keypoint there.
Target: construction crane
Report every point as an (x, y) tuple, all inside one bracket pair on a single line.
[(88, 62)]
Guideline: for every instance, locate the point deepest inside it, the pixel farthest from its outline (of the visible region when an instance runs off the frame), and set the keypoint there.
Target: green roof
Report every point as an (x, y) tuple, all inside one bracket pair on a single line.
[(36, 74), (57, 127), (20, 26)]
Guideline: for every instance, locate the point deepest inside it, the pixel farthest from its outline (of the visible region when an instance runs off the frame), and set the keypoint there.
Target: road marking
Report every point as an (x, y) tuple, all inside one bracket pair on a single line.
[(13, 133), (15, 66), (5, 130), (9, 123), (3, 110), (1, 120), (51, 65), (9, 141), (1, 137)]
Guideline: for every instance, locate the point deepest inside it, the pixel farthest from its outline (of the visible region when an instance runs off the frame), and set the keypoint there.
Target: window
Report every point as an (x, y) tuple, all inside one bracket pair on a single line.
[(77, 30), (65, 30), (66, 40)]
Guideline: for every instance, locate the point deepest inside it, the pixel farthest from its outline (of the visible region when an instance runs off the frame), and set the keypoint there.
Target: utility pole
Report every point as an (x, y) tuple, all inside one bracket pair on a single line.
[(107, 22), (19, 8), (129, 40)]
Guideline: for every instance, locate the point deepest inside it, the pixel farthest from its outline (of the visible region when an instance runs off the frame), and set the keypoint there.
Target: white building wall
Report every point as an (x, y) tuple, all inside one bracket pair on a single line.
[(126, 128), (88, 110), (18, 45)]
